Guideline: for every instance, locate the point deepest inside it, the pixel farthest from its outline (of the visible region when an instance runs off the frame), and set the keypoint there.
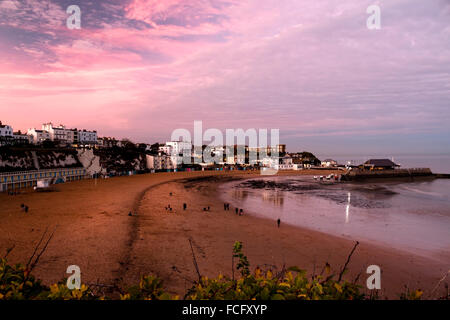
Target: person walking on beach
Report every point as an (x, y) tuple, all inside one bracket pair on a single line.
[(278, 222)]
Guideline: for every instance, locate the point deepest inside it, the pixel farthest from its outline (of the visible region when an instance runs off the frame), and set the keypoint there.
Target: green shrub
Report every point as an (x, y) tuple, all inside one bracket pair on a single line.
[(16, 283), (290, 284), (150, 288)]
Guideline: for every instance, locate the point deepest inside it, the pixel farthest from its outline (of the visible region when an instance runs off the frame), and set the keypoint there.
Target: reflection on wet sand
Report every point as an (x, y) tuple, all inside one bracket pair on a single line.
[(276, 198), (347, 208), (240, 194), (413, 216), (273, 197)]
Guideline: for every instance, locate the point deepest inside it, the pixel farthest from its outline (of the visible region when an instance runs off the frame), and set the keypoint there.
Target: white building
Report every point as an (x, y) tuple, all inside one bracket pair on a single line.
[(178, 147), (286, 160), (150, 160), (59, 133), (107, 142), (38, 136), (5, 130), (70, 136), (277, 163), (165, 149), (328, 163), (6, 134), (175, 149), (161, 162), (87, 137), (22, 138)]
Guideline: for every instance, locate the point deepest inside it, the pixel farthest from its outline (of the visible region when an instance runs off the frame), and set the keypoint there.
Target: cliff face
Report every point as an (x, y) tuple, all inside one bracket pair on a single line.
[(121, 160), (111, 160), (16, 159), (57, 159), (90, 161)]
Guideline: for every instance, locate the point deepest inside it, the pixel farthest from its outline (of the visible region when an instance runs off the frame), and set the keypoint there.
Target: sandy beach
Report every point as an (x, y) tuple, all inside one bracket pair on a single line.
[(94, 231)]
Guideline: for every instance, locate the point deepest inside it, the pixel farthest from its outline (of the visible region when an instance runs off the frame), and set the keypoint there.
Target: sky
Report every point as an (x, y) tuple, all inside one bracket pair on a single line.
[(143, 68)]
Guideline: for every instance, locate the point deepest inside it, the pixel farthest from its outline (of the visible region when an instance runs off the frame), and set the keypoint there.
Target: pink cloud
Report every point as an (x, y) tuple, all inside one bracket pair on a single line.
[(193, 12), (311, 68)]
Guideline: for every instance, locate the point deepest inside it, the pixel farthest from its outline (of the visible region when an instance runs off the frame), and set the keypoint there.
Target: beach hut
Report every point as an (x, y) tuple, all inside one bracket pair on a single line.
[(59, 180), (42, 184)]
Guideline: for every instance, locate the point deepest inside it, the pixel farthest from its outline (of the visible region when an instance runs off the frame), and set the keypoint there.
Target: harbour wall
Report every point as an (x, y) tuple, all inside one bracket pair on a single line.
[(360, 175)]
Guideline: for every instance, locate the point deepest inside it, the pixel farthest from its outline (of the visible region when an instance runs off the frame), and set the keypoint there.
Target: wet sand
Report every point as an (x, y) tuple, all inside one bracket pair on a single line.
[(93, 229), (413, 216), (163, 243), (95, 232)]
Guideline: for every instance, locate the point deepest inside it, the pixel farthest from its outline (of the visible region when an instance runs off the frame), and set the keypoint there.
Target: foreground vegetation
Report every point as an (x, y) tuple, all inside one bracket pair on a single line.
[(17, 283)]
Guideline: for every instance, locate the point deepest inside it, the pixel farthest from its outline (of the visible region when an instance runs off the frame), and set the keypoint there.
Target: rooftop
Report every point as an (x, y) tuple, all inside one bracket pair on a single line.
[(381, 163)]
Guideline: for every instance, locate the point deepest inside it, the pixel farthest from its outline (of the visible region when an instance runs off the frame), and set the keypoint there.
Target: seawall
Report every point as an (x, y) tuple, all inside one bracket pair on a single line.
[(360, 175)]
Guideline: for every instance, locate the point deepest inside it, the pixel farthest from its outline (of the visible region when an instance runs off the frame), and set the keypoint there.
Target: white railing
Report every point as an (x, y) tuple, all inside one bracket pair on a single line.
[(18, 173)]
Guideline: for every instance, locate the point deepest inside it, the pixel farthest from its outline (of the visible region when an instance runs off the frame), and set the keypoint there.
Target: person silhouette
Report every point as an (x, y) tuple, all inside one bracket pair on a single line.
[(278, 222)]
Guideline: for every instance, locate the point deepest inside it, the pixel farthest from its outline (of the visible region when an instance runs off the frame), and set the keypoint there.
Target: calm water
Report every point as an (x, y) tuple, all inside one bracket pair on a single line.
[(437, 163), (409, 216)]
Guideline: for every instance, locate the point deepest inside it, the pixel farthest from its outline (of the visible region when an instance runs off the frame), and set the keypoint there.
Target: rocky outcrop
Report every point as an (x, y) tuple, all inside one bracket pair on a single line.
[(90, 161), (48, 159), (121, 160), (18, 159), (103, 161)]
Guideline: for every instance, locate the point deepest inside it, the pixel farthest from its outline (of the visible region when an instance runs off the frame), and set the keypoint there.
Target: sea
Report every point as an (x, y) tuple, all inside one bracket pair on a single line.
[(438, 163), (410, 216)]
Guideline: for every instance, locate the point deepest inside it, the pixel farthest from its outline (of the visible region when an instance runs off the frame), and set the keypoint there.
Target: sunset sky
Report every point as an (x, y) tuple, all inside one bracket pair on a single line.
[(142, 68)]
